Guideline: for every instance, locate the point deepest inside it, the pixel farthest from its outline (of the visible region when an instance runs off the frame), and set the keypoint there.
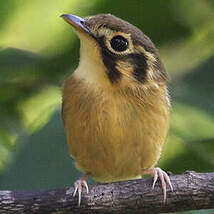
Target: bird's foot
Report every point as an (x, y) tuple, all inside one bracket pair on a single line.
[(78, 187), (164, 178)]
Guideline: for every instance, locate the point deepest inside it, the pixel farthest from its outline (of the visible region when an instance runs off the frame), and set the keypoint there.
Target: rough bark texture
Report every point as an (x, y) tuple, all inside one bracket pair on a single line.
[(192, 191)]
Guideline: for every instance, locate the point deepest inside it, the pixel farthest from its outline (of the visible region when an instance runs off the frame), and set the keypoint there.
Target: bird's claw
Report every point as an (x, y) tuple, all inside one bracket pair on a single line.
[(78, 187), (164, 178)]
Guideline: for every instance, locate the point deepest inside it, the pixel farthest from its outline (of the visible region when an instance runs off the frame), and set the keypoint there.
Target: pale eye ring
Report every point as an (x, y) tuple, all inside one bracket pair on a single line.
[(119, 43)]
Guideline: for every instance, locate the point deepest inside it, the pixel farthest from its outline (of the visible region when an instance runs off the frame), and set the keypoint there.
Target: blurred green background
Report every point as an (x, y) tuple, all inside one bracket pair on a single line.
[(38, 49)]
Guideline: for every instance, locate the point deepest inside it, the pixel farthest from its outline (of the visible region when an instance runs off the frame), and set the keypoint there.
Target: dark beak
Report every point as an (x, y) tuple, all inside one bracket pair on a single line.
[(77, 22)]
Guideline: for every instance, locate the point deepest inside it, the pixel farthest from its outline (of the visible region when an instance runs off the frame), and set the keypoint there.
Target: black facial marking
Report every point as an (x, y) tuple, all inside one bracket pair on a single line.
[(109, 60), (140, 66)]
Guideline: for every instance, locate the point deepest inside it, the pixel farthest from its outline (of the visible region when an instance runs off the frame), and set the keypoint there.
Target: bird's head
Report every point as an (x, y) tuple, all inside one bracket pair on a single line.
[(115, 53)]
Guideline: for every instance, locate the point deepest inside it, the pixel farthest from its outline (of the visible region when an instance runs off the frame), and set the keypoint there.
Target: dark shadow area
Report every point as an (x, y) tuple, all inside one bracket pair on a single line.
[(41, 161), (196, 87)]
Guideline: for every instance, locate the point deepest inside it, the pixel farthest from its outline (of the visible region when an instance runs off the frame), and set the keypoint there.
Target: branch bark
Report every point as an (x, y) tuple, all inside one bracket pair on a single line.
[(192, 191)]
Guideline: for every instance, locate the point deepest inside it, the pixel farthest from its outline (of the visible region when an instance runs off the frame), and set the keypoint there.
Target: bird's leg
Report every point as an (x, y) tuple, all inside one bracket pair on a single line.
[(164, 178), (78, 186)]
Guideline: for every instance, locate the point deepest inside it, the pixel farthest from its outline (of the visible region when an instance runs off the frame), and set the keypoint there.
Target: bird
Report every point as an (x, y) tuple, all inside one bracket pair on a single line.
[(115, 105)]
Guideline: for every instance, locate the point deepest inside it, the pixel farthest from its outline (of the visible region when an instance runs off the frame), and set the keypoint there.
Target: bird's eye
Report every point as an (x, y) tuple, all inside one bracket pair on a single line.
[(119, 43)]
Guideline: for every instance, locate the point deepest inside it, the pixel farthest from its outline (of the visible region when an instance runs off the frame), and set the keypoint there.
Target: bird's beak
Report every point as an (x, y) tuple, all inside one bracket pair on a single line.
[(77, 22)]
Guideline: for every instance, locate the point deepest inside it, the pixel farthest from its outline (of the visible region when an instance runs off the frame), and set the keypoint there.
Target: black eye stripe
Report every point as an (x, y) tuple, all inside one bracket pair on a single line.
[(119, 43), (140, 68), (110, 61)]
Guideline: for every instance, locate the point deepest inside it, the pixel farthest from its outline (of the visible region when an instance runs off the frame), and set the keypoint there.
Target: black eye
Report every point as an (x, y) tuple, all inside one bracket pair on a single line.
[(119, 43)]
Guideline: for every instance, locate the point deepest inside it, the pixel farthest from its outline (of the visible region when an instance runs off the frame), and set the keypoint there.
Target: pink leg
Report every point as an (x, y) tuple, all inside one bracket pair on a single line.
[(164, 178), (78, 186)]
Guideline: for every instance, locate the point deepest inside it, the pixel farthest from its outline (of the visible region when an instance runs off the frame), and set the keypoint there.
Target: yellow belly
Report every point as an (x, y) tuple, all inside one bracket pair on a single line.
[(114, 136)]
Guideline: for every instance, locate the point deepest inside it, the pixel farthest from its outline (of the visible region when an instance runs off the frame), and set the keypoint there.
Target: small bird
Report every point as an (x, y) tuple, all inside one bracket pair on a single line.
[(115, 105)]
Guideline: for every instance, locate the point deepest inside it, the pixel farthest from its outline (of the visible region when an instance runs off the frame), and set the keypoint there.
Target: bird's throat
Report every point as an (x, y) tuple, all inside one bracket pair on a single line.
[(91, 68)]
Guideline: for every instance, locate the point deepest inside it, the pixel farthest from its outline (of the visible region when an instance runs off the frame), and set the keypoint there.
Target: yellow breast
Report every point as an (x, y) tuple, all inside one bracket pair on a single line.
[(114, 134)]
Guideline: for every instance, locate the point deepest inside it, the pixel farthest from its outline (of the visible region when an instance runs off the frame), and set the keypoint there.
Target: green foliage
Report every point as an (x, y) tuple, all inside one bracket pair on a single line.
[(37, 50)]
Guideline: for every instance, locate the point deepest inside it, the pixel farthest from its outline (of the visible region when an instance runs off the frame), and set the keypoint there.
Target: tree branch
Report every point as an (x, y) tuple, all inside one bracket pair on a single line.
[(192, 191)]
